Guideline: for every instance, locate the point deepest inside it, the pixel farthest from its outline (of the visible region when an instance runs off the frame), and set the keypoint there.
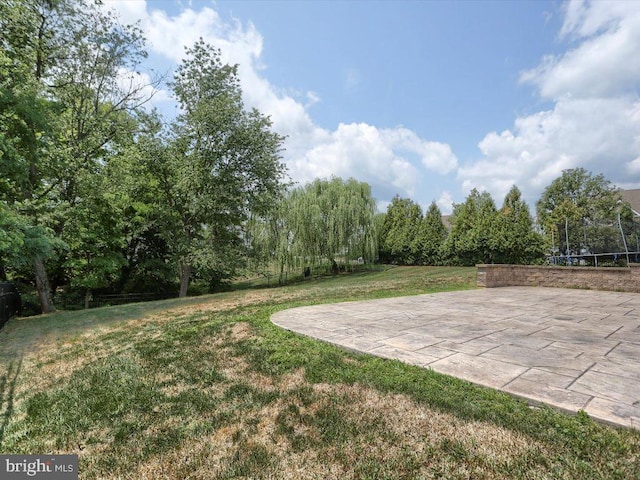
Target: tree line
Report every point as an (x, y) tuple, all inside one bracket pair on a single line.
[(99, 195), (478, 233), (577, 213)]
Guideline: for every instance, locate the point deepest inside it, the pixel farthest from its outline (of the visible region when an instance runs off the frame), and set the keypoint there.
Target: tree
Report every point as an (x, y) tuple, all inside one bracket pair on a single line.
[(323, 222), (583, 202), (11, 238), (133, 190), (24, 132), (400, 232), (514, 239), (469, 241), (270, 237), (432, 236), (219, 163), (94, 240), (68, 57), (333, 219)]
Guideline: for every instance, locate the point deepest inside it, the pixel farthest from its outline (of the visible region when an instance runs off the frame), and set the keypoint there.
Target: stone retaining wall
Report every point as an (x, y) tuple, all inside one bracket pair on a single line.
[(603, 278)]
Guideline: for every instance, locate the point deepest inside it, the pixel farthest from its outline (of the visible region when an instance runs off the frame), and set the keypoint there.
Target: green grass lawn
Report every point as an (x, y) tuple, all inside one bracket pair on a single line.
[(207, 387)]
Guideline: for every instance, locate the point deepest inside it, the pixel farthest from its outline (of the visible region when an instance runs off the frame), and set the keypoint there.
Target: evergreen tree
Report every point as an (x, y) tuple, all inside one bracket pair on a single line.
[(432, 236), (514, 239), (473, 223), (400, 232)]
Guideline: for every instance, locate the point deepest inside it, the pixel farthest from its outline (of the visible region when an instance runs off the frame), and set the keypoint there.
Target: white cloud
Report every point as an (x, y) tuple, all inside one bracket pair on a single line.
[(595, 119), (312, 99), (358, 150), (603, 63), (601, 135), (445, 203), (433, 155), (391, 160)]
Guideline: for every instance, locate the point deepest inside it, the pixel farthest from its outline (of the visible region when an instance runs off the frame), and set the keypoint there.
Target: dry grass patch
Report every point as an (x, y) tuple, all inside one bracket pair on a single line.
[(211, 389), (439, 441), (386, 433)]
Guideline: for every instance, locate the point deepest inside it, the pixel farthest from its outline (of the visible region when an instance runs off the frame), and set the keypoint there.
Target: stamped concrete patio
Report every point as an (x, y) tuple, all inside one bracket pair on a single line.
[(572, 349)]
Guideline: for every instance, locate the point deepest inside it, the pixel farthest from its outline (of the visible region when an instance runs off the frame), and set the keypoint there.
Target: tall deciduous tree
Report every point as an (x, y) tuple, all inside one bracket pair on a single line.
[(223, 162), (24, 127), (583, 202), (133, 189), (79, 65)]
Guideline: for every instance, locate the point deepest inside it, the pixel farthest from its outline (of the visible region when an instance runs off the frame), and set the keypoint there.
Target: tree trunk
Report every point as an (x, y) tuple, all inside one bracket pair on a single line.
[(87, 298), (42, 285), (185, 274)]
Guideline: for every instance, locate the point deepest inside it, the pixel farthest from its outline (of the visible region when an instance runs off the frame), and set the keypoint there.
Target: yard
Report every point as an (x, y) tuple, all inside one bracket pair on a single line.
[(207, 387)]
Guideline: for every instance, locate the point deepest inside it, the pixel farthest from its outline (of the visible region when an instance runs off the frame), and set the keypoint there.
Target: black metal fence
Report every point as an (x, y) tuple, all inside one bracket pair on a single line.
[(10, 302)]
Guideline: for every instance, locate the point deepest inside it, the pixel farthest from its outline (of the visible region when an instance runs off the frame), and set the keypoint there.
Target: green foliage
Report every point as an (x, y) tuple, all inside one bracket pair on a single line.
[(65, 106), (479, 233), (579, 205), (400, 232), (514, 240), (270, 236), (93, 236), (432, 236), (20, 241), (219, 163), (11, 233), (323, 222), (125, 197), (473, 230)]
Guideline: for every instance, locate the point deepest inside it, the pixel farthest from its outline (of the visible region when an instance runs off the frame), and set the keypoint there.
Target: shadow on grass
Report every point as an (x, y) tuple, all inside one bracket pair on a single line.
[(28, 332), (7, 393)]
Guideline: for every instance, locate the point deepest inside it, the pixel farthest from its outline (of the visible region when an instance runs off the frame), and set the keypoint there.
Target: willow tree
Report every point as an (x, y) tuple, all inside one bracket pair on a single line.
[(269, 238), (324, 222), (334, 220)]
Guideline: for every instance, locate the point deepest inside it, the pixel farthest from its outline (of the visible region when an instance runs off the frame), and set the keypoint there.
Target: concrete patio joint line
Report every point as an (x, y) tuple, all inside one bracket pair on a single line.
[(516, 321)]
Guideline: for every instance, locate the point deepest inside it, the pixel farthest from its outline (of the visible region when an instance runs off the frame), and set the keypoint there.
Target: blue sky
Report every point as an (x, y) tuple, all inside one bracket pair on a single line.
[(426, 100)]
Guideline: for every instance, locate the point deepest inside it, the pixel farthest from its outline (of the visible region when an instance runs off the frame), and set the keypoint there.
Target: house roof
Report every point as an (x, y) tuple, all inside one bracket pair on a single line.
[(632, 197)]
